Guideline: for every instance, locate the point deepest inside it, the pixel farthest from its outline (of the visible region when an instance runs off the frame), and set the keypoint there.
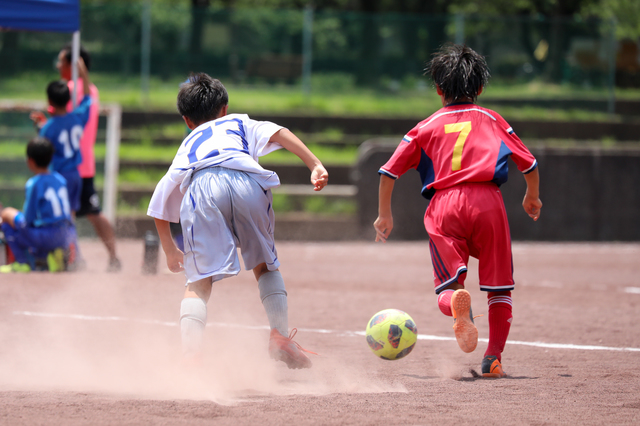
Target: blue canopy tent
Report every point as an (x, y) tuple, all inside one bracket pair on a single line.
[(61, 16)]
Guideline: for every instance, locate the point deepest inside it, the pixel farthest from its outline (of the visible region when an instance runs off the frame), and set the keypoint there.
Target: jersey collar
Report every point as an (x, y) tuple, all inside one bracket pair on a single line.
[(458, 103)]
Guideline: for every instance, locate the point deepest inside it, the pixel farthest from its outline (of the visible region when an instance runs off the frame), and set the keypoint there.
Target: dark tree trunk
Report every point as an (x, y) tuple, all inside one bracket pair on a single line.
[(198, 17)]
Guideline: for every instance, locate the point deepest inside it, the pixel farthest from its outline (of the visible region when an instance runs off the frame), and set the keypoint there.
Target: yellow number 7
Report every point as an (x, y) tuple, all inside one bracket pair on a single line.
[(464, 128)]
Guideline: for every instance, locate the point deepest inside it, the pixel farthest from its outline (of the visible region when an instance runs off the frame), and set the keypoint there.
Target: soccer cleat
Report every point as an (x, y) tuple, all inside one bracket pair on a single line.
[(492, 368), (284, 349), (463, 326), (15, 267), (55, 261), (114, 265)]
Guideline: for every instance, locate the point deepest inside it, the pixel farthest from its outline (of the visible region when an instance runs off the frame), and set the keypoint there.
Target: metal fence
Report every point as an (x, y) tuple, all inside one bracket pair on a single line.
[(320, 50)]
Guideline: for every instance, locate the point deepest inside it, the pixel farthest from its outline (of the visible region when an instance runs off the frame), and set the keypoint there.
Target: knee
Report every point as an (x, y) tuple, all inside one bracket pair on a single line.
[(199, 289), (260, 270)]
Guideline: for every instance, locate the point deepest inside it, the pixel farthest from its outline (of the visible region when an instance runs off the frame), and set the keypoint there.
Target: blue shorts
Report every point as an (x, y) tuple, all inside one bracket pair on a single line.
[(89, 199), (28, 243), (74, 188)]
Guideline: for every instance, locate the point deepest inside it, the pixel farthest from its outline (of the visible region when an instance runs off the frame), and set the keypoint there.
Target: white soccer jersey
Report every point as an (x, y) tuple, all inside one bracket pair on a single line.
[(234, 141)]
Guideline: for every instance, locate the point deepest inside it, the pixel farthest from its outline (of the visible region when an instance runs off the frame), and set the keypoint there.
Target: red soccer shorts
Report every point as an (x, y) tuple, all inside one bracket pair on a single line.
[(470, 220)]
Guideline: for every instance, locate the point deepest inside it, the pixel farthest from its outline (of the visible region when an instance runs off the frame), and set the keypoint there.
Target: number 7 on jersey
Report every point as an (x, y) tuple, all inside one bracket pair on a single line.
[(463, 128)]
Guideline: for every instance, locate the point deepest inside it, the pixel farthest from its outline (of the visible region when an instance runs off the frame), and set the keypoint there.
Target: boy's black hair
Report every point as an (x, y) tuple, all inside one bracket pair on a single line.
[(40, 150), (201, 98), (58, 93), (459, 71), (83, 54)]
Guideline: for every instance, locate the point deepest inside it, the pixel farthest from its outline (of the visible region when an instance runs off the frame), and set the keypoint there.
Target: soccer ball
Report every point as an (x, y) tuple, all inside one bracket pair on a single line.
[(391, 334)]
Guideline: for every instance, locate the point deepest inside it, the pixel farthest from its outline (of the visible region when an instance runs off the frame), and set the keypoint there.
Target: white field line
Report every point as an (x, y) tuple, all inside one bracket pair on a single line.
[(316, 330)]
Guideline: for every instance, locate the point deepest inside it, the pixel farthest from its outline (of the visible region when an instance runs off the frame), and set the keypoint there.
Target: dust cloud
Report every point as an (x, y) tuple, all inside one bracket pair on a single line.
[(85, 336)]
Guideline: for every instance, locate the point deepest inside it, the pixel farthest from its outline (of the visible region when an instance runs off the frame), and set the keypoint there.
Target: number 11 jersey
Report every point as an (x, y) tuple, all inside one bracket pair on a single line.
[(459, 143)]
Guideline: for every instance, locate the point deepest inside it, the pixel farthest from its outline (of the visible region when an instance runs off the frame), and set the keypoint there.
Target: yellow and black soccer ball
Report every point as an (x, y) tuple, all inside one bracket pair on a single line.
[(391, 334)]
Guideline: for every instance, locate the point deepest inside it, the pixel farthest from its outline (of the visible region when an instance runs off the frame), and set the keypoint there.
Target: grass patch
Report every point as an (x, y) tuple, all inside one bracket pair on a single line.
[(283, 203), (328, 97)]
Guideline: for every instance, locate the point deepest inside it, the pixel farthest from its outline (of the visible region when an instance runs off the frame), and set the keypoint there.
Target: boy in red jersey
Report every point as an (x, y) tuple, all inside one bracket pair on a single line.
[(461, 152)]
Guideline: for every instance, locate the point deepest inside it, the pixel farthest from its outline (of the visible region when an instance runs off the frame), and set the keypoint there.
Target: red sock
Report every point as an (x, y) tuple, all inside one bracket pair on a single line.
[(500, 317), (444, 302)]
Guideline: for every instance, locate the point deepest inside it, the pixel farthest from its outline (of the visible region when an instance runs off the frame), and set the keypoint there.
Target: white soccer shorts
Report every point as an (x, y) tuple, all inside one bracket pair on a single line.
[(223, 210)]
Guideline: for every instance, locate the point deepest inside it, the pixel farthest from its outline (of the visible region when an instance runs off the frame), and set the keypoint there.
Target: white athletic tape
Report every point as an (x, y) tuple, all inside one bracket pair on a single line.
[(320, 331), (634, 290)]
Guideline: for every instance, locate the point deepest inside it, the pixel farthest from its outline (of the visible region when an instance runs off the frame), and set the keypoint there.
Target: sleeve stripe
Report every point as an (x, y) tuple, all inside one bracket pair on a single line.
[(532, 168), (510, 130), (386, 173), (407, 139)]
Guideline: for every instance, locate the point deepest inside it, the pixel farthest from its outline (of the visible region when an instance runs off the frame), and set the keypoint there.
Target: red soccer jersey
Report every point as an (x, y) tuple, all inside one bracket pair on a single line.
[(459, 143)]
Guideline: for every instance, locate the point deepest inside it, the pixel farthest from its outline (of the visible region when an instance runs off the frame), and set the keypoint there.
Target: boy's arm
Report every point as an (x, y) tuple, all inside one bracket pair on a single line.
[(290, 142), (531, 202), (384, 223), (84, 74), (39, 119), (175, 257)]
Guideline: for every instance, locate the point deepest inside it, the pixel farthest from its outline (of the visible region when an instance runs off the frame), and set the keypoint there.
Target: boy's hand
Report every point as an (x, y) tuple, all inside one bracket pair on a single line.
[(175, 260), (319, 177), (383, 226), (532, 206), (38, 118)]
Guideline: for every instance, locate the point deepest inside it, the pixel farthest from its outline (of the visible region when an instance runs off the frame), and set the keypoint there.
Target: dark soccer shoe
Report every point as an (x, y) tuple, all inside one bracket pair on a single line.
[(284, 349), (492, 368), (463, 326)]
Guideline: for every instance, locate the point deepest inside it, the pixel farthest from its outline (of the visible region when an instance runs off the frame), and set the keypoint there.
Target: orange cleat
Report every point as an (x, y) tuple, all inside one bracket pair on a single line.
[(284, 349), (492, 368), (463, 326)]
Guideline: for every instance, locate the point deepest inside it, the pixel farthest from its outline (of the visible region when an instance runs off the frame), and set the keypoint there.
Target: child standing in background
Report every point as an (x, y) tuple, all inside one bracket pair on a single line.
[(461, 152), (64, 130)]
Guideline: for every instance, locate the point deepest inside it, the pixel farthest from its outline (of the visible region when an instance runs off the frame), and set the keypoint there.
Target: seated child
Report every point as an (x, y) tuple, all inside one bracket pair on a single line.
[(43, 230)]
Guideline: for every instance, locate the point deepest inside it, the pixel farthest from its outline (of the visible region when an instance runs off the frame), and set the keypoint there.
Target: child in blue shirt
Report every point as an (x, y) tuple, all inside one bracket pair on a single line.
[(64, 130), (43, 229)]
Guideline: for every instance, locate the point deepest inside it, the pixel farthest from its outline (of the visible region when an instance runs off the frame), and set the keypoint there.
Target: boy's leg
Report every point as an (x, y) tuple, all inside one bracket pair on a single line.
[(274, 300), (274, 297), (500, 318), (90, 207), (455, 302), (16, 239), (496, 278), (193, 317)]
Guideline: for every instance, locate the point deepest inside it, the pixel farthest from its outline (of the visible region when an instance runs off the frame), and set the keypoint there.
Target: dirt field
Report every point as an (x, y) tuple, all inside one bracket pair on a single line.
[(102, 349)]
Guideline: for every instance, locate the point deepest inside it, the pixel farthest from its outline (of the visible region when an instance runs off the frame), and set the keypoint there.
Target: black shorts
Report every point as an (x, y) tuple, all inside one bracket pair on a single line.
[(89, 200)]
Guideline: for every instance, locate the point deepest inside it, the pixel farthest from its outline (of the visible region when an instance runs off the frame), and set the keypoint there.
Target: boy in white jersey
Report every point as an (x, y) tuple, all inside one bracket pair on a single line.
[(222, 197)]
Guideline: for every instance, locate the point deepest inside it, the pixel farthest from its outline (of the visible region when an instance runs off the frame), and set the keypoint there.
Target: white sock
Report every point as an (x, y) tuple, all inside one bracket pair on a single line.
[(274, 300), (193, 318)]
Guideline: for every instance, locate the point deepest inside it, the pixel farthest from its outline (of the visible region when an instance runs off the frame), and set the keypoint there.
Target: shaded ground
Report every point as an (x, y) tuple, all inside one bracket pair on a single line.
[(103, 349)]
